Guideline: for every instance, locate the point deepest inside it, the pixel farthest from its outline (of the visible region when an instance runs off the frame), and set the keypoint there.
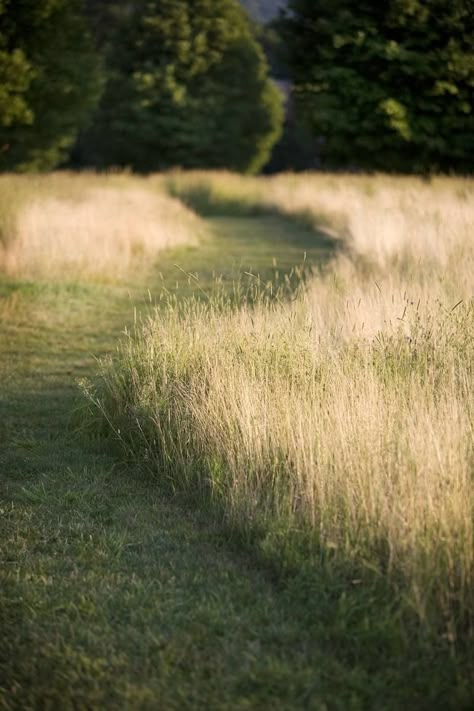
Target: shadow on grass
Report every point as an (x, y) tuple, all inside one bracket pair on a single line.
[(204, 199), (208, 200)]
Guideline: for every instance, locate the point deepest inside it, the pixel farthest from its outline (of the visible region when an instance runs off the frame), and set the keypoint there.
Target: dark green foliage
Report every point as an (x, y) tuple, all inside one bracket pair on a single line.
[(297, 150), (386, 85), (50, 81), (16, 74), (104, 16), (188, 86), (274, 48)]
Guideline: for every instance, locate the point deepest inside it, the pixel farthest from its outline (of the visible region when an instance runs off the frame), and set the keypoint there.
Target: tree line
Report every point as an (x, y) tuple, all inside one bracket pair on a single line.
[(155, 84)]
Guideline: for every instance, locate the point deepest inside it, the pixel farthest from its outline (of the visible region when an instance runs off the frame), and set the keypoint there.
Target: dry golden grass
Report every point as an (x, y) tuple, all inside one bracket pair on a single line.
[(86, 226), (348, 412), (386, 218)]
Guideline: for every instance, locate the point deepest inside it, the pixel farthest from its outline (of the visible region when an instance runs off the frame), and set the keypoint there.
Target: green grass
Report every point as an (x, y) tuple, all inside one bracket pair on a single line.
[(269, 247), (114, 594)]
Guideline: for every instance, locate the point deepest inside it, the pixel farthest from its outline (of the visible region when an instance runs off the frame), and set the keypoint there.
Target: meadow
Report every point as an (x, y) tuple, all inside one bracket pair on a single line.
[(294, 388)]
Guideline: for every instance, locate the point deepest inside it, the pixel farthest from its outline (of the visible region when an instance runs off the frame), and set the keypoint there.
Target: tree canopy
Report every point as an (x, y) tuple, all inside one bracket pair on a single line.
[(50, 81), (185, 83), (386, 85), (187, 86)]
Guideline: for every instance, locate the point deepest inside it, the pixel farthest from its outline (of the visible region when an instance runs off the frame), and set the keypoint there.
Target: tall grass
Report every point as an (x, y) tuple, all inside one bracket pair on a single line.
[(343, 417), (86, 226), (386, 220)]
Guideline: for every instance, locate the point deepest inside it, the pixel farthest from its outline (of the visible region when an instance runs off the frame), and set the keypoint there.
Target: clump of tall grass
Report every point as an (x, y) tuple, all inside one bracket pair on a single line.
[(365, 443), (390, 220), (88, 226), (344, 415)]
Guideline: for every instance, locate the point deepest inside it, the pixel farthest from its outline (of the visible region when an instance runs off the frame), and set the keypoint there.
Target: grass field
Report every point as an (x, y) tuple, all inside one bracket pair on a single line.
[(262, 496)]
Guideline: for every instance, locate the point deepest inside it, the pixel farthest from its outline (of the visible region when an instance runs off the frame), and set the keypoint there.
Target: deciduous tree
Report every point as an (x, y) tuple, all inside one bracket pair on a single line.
[(49, 81), (188, 86), (386, 84)]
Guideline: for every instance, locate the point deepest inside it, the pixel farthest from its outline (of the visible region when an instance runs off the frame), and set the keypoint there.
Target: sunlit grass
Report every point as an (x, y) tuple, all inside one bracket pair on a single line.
[(87, 226), (342, 417)]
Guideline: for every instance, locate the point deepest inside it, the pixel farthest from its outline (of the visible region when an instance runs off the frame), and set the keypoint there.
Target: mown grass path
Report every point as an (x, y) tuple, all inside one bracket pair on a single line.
[(114, 596), (111, 595)]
